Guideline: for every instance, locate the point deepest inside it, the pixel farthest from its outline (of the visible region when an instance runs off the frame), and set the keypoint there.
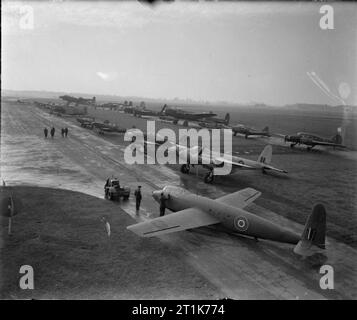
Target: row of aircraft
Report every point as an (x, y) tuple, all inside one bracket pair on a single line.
[(190, 211)]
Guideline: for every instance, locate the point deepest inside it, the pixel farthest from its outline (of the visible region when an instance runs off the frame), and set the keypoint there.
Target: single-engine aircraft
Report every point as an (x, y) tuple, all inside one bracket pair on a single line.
[(194, 211), (312, 140), (178, 114), (77, 101), (246, 131)]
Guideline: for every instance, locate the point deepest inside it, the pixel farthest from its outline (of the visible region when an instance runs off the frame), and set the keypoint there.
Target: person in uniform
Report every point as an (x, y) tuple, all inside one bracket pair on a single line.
[(138, 198), (45, 131), (52, 132), (163, 203), (66, 132)]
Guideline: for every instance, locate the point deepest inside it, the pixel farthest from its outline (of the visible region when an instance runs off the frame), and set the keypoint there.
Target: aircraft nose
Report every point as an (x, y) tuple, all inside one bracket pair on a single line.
[(156, 195)]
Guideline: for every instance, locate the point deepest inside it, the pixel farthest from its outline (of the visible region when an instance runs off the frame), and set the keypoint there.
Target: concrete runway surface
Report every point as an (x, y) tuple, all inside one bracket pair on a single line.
[(239, 267)]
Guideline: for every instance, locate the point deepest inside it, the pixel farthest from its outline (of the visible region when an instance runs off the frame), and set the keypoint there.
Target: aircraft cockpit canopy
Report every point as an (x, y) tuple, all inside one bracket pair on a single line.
[(174, 191)]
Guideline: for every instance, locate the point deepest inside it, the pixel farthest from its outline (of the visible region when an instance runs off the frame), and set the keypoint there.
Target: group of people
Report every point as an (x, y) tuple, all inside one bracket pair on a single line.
[(64, 132), (163, 200)]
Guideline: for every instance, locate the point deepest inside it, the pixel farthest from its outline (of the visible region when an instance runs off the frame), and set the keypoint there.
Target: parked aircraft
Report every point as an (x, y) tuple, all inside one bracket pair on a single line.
[(242, 129), (215, 123), (312, 140), (143, 112), (176, 114), (76, 101), (262, 163), (86, 121), (193, 211), (106, 127)]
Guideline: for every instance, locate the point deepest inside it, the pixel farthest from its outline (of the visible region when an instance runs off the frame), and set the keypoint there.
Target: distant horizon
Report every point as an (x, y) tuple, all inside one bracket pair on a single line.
[(178, 99)]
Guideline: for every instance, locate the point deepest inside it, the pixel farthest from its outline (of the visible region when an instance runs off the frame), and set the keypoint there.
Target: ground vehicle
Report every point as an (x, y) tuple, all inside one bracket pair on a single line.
[(113, 190)]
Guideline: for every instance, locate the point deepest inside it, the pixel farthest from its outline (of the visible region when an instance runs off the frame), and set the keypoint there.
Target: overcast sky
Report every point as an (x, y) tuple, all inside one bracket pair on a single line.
[(271, 53)]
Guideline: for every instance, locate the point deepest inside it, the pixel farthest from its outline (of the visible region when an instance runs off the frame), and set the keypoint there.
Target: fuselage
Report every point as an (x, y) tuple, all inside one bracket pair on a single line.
[(234, 219)]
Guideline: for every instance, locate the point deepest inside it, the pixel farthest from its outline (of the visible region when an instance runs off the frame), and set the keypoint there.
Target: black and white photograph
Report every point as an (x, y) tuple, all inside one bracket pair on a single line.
[(178, 151)]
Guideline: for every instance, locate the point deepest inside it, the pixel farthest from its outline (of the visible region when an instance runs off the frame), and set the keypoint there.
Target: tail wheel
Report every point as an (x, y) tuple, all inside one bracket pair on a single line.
[(209, 177)]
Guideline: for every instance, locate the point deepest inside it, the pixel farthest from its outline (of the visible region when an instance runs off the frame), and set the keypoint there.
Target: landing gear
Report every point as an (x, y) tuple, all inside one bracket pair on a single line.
[(209, 177), (246, 136), (264, 171), (185, 168)]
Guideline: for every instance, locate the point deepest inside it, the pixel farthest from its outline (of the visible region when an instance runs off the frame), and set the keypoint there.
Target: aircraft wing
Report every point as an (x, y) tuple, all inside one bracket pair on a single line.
[(233, 163), (241, 198), (331, 144), (178, 221)]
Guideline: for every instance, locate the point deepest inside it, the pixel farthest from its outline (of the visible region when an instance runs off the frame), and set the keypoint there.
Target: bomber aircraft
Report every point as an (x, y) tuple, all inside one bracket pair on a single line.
[(215, 122), (262, 163), (76, 101), (176, 114), (312, 140), (193, 211), (246, 131)]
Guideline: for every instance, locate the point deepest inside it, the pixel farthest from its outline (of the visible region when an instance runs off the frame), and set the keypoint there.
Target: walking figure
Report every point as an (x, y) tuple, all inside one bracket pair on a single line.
[(66, 131), (163, 203), (45, 131), (62, 132), (138, 197), (52, 132)]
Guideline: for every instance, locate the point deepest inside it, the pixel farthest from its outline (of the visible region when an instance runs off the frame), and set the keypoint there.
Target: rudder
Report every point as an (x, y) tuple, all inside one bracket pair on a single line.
[(313, 236), (266, 155)]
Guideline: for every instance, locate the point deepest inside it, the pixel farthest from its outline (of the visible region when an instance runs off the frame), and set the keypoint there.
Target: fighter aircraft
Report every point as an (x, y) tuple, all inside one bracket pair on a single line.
[(242, 129), (216, 160), (178, 114), (312, 140), (143, 112), (77, 101), (194, 211), (215, 123)]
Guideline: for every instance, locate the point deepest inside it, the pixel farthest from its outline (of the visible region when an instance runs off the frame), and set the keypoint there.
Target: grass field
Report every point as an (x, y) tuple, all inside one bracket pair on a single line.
[(61, 235)]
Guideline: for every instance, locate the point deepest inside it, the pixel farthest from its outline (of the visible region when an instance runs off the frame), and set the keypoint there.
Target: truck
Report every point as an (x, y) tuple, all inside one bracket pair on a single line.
[(113, 190)]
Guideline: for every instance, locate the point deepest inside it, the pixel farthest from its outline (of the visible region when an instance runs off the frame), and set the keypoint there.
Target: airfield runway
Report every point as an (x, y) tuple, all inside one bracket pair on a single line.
[(240, 268)]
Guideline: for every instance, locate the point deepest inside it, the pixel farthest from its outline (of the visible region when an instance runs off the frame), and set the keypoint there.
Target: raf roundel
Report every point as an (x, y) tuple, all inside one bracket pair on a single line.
[(241, 223)]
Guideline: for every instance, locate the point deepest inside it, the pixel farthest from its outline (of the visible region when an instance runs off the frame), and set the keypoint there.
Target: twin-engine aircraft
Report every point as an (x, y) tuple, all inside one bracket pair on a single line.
[(216, 161), (312, 140), (76, 101), (246, 131), (193, 211)]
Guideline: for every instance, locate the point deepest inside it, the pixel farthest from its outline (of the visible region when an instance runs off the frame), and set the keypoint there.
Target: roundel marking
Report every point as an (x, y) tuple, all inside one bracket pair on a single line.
[(241, 223)]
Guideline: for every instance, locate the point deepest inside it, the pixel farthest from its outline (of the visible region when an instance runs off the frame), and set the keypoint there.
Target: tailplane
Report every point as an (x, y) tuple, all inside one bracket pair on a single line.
[(162, 112), (313, 237), (266, 155)]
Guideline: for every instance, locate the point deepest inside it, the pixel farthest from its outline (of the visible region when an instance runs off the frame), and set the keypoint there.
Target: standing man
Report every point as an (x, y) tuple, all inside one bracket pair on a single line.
[(66, 131), (163, 203), (138, 197), (62, 132), (52, 132), (45, 131)]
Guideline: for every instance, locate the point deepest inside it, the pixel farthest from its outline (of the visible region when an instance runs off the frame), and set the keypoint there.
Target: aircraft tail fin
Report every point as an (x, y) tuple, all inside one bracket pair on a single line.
[(266, 130), (313, 237), (338, 138), (93, 99), (163, 109), (227, 118), (266, 154)]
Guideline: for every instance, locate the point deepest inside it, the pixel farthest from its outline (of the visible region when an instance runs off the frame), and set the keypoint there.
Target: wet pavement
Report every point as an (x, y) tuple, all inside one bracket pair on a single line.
[(239, 267)]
